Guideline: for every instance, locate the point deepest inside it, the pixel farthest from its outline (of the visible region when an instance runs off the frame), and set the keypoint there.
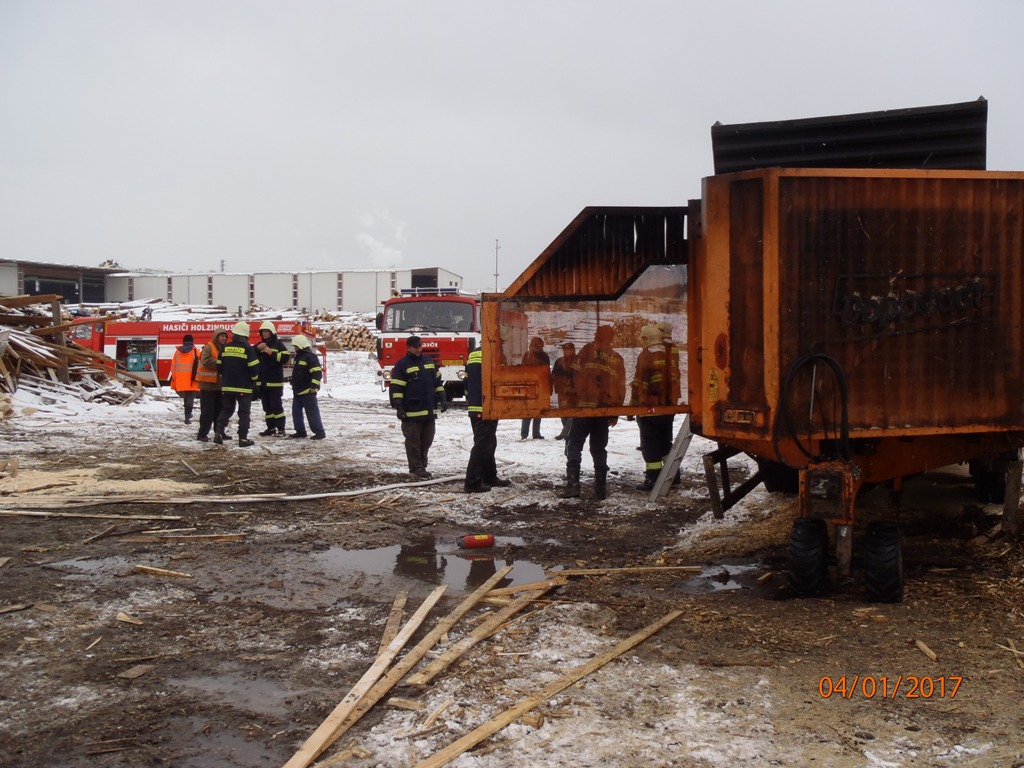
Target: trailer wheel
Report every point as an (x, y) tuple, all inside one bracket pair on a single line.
[(808, 557), (883, 563), (989, 478)]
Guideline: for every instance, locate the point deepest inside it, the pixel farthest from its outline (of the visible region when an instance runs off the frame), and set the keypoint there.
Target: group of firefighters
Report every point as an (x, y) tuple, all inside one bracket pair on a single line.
[(229, 372), (594, 378)]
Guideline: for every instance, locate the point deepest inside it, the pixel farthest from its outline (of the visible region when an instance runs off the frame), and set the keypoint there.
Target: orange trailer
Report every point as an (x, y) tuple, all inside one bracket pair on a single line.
[(843, 326)]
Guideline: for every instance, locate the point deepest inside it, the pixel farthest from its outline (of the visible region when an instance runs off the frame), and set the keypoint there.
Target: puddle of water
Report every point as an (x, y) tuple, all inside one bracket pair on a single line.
[(247, 693), (721, 578), (435, 562)]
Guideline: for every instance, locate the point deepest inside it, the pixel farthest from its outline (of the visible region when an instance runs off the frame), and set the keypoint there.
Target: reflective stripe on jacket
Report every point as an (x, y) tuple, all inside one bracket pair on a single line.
[(415, 383), (239, 367), (207, 373), (474, 382), (182, 366)]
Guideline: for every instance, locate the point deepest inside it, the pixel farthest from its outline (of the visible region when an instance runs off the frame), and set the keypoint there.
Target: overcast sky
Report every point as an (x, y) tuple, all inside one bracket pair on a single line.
[(354, 134)]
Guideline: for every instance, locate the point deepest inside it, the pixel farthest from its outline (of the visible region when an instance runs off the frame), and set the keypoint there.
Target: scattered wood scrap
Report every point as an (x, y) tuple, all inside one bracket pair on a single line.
[(151, 571), (926, 650), (328, 731), (512, 714)]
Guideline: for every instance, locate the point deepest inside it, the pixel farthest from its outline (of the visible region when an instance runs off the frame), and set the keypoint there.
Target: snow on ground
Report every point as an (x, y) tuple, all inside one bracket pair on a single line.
[(628, 713)]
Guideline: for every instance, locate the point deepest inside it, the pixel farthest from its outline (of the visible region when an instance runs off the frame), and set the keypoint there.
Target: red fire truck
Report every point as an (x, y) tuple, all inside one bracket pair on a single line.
[(145, 346), (447, 320)]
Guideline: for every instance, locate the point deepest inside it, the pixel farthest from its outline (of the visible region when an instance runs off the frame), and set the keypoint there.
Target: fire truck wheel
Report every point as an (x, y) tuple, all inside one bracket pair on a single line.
[(883, 563), (452, 391), (808, 557)]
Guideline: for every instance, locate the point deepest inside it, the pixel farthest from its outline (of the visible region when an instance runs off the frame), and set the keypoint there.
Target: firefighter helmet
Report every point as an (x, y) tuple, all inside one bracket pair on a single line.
[(300, 342), (241, 329), (268, 326)]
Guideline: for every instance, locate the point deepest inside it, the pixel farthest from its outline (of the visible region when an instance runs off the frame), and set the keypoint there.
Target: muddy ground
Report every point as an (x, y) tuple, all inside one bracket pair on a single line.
[(241, 658)]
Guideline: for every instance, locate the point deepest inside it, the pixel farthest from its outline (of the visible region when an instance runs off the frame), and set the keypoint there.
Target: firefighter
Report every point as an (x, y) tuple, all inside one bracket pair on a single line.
[(562, 383), (273, 356), (240, 375), (600, 377), (482, 470), (183, 374), (416, 393), (656, 383), (208, 379), (535, 355), (307, 374)]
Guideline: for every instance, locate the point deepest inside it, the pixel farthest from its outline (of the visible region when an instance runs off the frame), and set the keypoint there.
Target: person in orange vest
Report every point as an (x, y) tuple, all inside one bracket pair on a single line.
[(208, 379), (183, 374)]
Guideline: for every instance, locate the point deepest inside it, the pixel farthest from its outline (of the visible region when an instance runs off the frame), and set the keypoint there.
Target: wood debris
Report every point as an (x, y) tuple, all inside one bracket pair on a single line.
[(151, 571), (137, 671)]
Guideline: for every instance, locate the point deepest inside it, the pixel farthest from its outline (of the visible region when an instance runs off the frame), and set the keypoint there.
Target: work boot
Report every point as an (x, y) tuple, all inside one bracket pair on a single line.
[(499, 482), (281, 432), (244, 442), (202, 438), (650, 477), (268, 432), (572, 485), (218, 438), (600, 485), (476, 488)]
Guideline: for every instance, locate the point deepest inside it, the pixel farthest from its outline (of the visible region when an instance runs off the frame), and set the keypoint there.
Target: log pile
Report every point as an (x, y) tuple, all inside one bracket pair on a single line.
[(36, 356), (349, 337)]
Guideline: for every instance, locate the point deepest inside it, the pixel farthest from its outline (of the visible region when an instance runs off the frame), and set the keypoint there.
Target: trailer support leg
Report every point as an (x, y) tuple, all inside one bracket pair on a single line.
[(844, 551), (1011, 502)]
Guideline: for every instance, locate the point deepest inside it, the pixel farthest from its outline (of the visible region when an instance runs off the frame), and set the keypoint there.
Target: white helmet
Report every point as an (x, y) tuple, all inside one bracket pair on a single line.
[(269, 326), (300, 342)]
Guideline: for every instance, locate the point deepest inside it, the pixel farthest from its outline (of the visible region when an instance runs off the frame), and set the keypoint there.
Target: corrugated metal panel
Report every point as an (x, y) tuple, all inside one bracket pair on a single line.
[(950, 137), (602, 251)]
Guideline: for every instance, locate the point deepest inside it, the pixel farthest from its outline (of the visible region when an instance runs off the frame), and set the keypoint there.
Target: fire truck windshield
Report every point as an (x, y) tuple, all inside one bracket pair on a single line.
[(438, 316)]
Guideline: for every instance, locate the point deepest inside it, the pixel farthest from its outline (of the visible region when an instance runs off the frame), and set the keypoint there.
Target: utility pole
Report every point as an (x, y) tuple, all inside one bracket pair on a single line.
[(496, 249)]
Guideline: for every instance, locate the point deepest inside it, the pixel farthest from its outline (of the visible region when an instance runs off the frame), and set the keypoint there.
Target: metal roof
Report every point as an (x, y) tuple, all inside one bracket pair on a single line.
[(947, 137), (602, 251)]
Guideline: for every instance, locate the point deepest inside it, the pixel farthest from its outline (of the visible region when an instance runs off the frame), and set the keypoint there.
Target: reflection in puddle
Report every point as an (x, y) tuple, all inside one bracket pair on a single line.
[(435, 562), (719, 578)]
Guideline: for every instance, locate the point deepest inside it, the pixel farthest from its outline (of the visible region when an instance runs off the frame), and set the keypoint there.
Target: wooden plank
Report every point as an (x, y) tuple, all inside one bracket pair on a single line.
[(327, 733), (512, 714), (636, 569), (485, 630), (557, 581), (42, 513), (150, 571), (25, 300), (412, 658), (198, 539), (394, 621)]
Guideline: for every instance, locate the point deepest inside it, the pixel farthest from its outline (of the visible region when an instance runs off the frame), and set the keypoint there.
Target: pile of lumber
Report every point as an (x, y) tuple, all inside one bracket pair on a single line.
[(349, 337), (36, 355)]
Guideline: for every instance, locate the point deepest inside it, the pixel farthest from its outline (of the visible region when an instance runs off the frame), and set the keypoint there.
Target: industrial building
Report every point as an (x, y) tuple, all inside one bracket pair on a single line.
[(357, 290)]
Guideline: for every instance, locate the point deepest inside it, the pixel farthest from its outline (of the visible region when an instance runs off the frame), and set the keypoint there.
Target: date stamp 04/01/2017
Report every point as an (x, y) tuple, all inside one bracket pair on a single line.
[(887, 687)]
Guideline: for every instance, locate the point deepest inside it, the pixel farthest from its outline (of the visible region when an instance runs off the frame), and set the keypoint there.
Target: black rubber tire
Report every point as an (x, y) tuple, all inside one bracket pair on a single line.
[(808, 557), (778, 478), (883, 563)]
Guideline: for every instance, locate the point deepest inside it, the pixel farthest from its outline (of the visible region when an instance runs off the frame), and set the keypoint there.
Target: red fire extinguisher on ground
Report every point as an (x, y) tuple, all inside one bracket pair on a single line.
[(475, 541)]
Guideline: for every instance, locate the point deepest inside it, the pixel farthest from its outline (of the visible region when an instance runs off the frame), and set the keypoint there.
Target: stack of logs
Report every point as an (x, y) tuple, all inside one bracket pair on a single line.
[(351, 337), (36, 355)]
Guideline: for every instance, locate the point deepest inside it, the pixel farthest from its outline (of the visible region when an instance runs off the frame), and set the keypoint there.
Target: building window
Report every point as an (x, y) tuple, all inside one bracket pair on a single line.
[(170, 288), (341, 292), (252, 290), (295, 291), (209, 290)]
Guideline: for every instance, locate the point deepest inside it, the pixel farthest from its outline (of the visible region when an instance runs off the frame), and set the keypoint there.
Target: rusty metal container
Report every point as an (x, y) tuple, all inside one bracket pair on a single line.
[(855, 305)]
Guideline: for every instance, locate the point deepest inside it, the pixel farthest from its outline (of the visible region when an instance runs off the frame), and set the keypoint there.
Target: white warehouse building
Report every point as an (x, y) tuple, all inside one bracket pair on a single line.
[(357, 290)]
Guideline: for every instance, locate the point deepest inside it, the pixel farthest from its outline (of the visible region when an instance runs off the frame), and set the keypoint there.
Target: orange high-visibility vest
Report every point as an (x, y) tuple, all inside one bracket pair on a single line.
[(181, 371), (206, 375)]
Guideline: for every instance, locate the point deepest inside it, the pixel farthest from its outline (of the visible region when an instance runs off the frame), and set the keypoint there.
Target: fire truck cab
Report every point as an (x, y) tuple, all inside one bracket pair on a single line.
[(448, 322), (143, 348)]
